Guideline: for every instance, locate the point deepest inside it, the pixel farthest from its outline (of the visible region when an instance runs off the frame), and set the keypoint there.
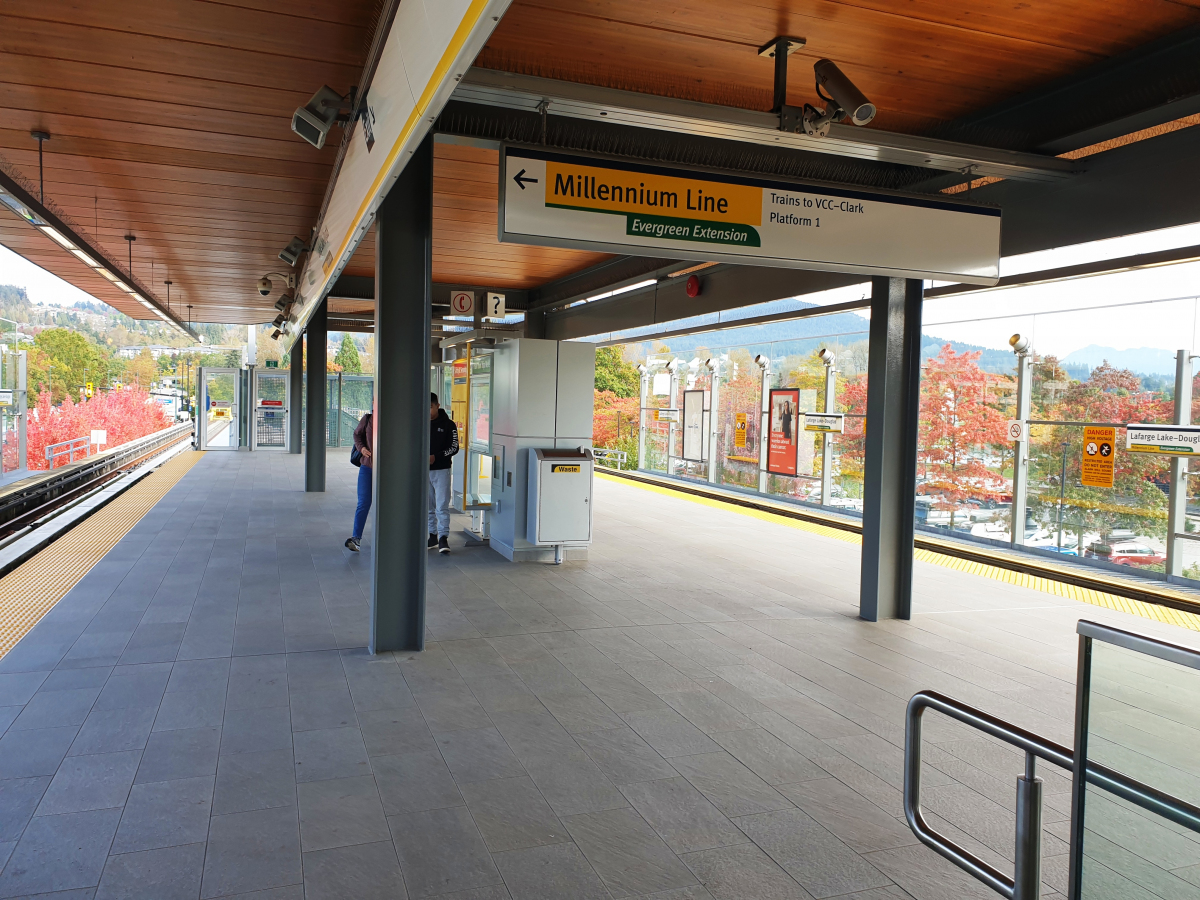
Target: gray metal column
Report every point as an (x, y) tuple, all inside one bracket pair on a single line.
[(400, 503), (890, 470), (714, 416), (1018, 511), (314, 413), (23, 410), (764, 421), (827, 438), (645, 395), (296, 397), (1177, 495)]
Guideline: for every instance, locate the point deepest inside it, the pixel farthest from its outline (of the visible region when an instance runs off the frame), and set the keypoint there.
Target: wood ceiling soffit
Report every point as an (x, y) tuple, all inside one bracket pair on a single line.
[(170, 120), (932, 62)]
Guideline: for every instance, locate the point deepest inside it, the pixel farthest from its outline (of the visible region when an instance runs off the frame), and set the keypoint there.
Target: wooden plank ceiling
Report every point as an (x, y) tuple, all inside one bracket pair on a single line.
[(465, 249), (169, 119), (920, 61)]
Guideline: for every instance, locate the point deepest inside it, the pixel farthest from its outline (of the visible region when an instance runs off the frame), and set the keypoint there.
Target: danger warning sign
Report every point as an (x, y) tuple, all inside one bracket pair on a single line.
[(1099, 456)]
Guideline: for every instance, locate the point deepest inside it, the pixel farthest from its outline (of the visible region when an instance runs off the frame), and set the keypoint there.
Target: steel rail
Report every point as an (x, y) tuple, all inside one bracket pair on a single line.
[(1025, 881), (528, 93), (37, 491)]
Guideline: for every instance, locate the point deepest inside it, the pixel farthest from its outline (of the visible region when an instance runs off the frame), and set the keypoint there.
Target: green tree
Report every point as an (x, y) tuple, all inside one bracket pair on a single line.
[(614, 374), (75, 362), (347, 356)]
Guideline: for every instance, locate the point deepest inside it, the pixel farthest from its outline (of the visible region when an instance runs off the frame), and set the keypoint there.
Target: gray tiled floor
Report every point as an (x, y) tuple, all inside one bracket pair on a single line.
[(694, 713)]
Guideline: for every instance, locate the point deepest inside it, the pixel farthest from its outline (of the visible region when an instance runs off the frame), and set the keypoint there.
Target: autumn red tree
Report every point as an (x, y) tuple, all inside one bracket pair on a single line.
[(125, 415), (1136, 501), (614, 418), (958, 422)]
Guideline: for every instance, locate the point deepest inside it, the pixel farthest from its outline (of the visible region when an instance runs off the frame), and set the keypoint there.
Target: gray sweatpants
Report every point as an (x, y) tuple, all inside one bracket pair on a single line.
[(439, 502)]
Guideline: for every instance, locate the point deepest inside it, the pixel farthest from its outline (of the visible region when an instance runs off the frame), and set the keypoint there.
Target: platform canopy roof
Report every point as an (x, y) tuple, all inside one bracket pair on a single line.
[(169, 121)]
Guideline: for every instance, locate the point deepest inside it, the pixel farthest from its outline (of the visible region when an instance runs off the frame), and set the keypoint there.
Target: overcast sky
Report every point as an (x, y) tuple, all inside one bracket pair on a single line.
[(1110, 310)]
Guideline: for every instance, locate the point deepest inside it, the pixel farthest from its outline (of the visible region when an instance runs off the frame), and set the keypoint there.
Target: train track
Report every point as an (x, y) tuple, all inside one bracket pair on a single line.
[(26, 503)]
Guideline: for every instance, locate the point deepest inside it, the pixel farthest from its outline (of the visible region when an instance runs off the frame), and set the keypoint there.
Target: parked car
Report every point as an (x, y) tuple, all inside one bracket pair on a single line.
[(1125, 553)]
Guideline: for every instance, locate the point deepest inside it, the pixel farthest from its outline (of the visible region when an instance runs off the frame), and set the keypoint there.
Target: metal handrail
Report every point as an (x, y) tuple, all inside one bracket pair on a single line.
[(67, 448), (1025, 884), (603, 455)]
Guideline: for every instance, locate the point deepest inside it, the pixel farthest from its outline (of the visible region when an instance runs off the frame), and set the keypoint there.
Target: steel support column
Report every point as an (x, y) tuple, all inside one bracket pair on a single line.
[(645, 395), (827, 438), (714, 416), (1018, 512), (890, 470), (403, 292), (314, 413), (296, 398), (1177, 496)]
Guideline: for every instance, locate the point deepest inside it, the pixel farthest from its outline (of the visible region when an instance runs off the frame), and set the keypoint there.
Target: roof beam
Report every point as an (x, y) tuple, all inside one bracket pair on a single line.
[(1082, 270), (1148, 85), (14, 195), (527, 93)]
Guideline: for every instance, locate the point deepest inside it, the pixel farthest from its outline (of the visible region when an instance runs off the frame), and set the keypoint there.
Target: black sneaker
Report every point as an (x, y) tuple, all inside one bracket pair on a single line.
[(433, 542), (443, 545), (352, 544)]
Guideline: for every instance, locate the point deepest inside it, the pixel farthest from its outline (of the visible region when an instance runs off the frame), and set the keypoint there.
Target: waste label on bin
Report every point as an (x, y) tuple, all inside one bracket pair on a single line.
[(561, 468)]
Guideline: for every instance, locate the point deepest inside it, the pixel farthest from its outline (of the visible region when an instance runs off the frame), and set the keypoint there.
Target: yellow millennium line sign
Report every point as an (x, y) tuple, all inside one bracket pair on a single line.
[(558, 199)]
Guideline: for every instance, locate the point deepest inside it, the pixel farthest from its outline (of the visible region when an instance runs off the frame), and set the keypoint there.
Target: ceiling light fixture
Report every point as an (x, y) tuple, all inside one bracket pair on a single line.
[(22, 202)]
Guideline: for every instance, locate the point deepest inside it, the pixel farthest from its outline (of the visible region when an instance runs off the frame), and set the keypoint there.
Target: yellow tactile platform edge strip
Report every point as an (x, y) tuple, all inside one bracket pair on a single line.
[(996, 573), (29, 591)]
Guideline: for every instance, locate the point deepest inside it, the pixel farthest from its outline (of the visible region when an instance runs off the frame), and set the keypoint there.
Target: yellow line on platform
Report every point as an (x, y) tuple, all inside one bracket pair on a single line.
[(30, 591), (997, 573)]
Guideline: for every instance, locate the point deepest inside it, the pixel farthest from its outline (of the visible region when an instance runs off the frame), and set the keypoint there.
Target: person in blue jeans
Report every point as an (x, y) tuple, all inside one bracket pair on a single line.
[(363, 438), (443, 444)]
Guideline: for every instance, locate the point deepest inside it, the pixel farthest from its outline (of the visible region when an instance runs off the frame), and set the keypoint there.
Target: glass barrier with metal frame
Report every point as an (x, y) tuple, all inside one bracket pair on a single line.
[(1135, 825)]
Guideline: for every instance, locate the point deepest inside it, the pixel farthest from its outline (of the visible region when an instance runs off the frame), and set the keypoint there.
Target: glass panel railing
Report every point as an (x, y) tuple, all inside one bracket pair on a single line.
[(358, 393), (1143, 722)]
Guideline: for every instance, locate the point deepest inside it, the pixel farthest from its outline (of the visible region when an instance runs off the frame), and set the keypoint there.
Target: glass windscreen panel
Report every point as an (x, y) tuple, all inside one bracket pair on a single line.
[(333, 405), (10, 410), (479, 432), (358, 397), (221, 413), (271, 410), (1143, 722)]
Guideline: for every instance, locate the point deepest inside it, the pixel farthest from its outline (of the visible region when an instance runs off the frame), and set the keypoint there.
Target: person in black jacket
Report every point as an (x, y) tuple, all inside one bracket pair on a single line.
[(443, 444)]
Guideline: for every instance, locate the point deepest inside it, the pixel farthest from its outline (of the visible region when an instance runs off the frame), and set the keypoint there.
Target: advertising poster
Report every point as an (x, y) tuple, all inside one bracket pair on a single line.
[(693, 426), (781, 448)]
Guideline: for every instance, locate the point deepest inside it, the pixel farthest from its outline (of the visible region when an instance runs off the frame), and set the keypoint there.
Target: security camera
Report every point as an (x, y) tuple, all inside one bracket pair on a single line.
[(264, 286), (291, 253), (843, 92), (1018, 343), (843, 99), (826, 356), (313, 120)]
